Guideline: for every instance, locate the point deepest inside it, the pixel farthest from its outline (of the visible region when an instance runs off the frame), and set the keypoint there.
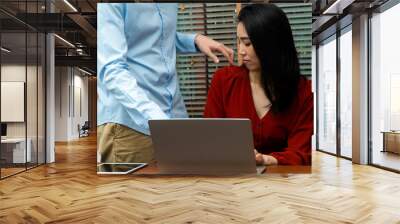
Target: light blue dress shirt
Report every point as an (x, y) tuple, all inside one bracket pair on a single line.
[(136, 58)]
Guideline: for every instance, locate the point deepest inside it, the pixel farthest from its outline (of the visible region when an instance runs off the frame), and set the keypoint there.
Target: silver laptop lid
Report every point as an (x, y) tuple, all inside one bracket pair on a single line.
[(203, 146)]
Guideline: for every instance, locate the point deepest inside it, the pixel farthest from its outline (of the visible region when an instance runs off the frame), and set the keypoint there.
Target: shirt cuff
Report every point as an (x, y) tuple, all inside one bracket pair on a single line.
[(187, 43), (281, 159)]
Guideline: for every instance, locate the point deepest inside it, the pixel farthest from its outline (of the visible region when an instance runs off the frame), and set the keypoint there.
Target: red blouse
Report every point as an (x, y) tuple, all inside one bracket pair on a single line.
[(285, 136)]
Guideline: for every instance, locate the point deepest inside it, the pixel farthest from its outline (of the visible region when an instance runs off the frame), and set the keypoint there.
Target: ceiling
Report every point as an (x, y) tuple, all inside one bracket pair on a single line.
[(75, 21), (329, 16), (21, 21)]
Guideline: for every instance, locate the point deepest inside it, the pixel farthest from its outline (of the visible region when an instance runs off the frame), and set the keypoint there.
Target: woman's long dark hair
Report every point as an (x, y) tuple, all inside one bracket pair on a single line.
[(269, 31)]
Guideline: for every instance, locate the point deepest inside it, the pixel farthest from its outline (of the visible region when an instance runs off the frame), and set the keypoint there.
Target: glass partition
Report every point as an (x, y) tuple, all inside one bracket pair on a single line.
[(13, 104), (22, 88)]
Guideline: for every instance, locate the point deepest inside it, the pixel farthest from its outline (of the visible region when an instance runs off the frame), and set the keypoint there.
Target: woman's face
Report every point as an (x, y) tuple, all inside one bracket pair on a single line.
[(246, 50)]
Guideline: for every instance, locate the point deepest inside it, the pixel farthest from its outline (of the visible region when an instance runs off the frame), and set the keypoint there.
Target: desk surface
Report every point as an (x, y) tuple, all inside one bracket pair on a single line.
[(390, 132), (153, 171), (13, 140)]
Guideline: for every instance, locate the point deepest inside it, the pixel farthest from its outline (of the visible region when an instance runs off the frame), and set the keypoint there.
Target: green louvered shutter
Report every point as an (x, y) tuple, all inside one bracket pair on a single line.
[(218, 21), (300, 17), (191, 68), (221, 26)]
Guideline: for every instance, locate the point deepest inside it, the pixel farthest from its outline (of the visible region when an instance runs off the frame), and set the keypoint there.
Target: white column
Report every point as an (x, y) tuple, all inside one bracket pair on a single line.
[(360, 90), (50, 94)]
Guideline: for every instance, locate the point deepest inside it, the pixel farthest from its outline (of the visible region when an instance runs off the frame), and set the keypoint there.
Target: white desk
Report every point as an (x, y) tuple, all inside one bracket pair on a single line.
[(18, 149)]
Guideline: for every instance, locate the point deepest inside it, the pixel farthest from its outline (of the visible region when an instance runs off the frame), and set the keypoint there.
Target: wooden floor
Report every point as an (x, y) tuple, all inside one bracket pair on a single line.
[(5, 172), (69, 191), (10, 171)]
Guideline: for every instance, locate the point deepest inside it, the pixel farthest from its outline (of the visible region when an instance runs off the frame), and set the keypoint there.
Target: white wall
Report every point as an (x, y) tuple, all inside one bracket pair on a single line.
[(71, 102), (80, 109), (61, 103)]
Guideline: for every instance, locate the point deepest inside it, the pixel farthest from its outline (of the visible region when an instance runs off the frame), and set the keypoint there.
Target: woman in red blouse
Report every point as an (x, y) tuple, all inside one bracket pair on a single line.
[(267, 88)]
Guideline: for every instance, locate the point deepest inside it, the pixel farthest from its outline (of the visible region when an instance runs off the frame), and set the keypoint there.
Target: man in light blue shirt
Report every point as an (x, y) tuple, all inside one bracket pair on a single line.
[(137, 81)]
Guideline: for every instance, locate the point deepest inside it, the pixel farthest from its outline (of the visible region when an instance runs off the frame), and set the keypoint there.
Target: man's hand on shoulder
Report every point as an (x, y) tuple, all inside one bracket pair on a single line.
[(208, 46)]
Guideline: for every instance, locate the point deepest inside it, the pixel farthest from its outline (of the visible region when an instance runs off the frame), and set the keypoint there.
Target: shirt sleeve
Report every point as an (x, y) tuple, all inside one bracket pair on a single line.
[(298, 151), (114, 73), (214, 106), (185, 43)]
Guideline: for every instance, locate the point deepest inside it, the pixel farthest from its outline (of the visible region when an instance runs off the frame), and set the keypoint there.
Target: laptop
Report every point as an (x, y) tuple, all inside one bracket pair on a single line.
[(204, 146)]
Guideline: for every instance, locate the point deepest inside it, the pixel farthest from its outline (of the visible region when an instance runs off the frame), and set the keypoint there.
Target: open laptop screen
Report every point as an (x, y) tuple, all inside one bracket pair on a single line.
[(210, 146)]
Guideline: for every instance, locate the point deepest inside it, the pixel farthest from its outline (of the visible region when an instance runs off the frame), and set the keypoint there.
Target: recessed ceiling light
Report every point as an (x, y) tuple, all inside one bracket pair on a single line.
[(70, 5), (84, 71), (337, 7), (5, 50), (64, 40)]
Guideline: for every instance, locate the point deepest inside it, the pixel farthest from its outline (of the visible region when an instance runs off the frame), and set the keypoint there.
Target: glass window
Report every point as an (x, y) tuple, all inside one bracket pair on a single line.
[(327, 95), (385, 85), (346, 93)]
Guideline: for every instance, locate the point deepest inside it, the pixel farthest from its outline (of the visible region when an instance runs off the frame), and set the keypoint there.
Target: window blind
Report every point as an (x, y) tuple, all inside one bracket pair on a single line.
[(300, 19), (217, 21)]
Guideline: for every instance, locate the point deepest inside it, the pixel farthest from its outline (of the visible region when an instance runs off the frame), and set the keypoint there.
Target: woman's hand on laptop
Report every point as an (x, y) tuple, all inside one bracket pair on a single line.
[(262, 159)]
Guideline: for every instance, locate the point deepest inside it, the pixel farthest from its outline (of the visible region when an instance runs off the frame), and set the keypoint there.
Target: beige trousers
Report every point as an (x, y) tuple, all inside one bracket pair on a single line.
[(119, 144)]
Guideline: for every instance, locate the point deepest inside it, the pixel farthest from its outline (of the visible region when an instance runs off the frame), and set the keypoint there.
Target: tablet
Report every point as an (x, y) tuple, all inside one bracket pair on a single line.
[(261, 169), (118, 168)]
